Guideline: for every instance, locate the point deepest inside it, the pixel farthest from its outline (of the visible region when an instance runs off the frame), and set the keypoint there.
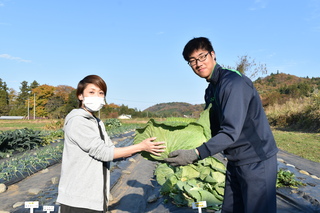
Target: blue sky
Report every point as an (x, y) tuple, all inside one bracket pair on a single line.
[(136, 45)]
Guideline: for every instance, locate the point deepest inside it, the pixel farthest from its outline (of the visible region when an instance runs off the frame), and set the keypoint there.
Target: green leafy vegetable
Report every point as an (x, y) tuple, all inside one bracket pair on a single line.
[(201, 181), (204, 120), (287, 179), (163, 172), (19, 140), (177, 134)]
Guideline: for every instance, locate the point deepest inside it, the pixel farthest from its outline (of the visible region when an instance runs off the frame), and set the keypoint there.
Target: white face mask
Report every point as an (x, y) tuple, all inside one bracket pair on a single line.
[(93, 104)]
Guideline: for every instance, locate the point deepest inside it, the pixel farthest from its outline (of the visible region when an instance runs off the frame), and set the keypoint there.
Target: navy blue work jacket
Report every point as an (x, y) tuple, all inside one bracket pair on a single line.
[(238, 123)]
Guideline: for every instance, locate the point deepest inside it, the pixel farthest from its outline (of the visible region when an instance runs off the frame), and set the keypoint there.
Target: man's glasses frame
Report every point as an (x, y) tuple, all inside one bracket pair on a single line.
[(201, 58)]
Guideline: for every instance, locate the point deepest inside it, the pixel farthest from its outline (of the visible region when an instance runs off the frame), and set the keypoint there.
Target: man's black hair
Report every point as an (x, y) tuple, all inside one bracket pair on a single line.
[(196, 44)]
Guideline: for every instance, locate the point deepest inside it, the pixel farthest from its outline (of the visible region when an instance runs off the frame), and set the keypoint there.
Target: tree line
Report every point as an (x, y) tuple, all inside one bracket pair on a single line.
[(45, 101)]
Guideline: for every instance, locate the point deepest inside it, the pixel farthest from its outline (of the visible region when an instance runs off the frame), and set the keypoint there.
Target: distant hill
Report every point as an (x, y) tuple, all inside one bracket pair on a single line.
[(278, 88), (276, 81), (175, 109)]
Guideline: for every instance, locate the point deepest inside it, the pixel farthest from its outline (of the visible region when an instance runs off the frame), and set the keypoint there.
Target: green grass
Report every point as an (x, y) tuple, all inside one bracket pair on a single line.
[(305, 145), (20, 124)]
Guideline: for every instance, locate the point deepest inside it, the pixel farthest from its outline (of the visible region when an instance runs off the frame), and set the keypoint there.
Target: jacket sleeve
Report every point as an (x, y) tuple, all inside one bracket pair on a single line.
[(234, 99), (85, 134)]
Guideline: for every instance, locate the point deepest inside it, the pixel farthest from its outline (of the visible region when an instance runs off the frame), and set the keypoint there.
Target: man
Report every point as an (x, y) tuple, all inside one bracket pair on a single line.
[(239, 128)]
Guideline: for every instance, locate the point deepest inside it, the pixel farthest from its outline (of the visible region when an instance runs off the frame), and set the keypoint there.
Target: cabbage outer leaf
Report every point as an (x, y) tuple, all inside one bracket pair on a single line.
[(176, 135)]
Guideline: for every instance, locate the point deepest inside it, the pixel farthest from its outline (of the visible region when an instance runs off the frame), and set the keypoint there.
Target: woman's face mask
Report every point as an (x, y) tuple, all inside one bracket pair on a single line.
[(93, 104)]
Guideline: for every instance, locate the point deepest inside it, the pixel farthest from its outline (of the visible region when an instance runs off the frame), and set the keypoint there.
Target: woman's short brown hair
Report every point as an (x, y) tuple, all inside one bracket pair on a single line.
[(91, 79)]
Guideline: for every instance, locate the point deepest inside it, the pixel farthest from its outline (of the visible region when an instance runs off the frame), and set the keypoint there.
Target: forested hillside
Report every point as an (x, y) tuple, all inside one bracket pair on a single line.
[(279, 88), (290, 101)]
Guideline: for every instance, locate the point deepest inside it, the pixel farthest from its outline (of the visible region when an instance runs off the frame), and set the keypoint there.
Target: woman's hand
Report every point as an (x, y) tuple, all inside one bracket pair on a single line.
[(146, 145), (154, 148)]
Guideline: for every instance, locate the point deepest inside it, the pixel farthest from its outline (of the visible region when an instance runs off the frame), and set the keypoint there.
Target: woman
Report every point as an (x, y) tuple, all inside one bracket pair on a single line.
[(85, 177)]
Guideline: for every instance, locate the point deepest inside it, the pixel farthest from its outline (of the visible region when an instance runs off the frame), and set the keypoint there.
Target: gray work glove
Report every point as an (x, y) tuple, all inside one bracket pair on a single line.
[(182, 157)]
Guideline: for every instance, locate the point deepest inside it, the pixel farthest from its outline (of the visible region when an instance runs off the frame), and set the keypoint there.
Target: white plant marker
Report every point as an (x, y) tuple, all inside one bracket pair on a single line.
[(199, 205), (48, 208), (31, 205)]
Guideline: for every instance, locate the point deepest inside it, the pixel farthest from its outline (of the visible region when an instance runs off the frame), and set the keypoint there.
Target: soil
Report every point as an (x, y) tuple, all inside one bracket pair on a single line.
[(135, 190)]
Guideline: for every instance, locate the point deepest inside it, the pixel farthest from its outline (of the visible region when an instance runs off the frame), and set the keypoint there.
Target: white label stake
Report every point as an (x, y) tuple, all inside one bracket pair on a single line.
[(31, 205), (199, 205), (48, 208)]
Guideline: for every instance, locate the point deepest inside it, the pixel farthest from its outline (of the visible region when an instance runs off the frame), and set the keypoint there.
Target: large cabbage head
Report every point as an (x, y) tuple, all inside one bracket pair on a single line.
[(176, 135)]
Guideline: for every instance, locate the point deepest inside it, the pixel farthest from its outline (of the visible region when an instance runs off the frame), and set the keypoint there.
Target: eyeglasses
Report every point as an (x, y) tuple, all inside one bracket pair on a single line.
[(201, 58)]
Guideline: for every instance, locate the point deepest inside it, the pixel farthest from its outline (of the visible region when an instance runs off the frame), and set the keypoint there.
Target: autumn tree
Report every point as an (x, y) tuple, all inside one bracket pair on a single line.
[(42, 95), (110, 110), (56, 106), (63, 91)]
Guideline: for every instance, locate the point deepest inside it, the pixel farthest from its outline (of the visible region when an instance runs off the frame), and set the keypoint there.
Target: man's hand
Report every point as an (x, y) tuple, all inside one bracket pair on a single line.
[(182, 157)]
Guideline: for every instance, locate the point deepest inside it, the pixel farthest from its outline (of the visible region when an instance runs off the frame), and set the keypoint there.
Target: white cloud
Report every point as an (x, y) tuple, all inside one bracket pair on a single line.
[(7, 56)]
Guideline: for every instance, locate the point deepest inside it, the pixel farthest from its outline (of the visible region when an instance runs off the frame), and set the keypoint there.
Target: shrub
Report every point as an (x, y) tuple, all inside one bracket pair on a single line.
[(112, 122), (300, 114)]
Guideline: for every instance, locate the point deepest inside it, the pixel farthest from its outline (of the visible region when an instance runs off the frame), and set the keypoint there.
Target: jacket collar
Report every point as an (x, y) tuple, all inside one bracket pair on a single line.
[(215, 74)]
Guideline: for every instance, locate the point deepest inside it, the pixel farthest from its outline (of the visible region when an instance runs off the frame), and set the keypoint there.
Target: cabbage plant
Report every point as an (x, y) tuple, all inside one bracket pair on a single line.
[(202, 181), (177, 134)]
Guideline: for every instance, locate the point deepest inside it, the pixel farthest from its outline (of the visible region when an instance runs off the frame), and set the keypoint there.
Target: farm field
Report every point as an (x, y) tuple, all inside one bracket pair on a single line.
[(305, 145)]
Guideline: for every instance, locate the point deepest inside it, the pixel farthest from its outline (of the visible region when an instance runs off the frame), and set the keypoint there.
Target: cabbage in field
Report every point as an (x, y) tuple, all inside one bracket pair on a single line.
[(201, 181), (177, 135)]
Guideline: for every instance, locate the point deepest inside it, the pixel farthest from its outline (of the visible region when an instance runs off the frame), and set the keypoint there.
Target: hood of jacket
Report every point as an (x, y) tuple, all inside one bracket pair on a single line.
[(80, 112)]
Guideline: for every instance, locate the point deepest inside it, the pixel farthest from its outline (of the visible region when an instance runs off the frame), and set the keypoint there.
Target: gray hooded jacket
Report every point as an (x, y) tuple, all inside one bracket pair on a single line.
[(85, 181)]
